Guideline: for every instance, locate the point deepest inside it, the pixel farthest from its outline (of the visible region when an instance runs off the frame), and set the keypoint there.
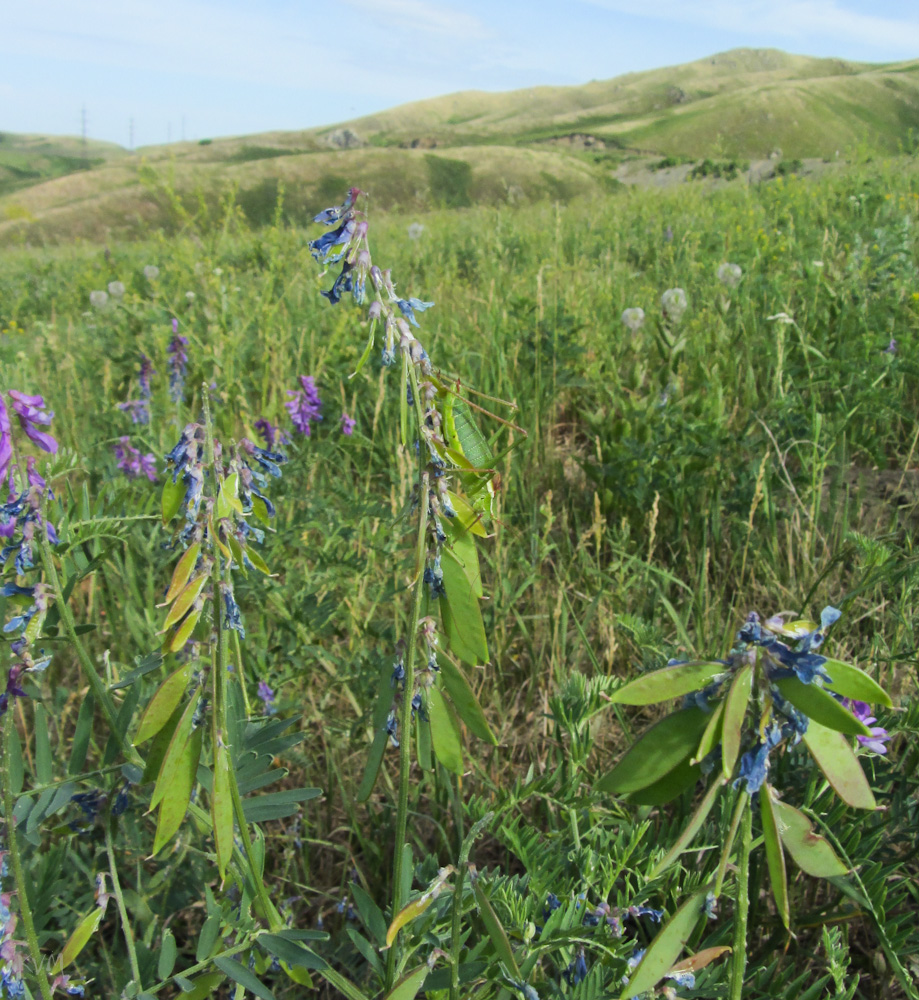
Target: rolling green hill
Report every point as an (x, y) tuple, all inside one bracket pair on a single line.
[(472, 147)]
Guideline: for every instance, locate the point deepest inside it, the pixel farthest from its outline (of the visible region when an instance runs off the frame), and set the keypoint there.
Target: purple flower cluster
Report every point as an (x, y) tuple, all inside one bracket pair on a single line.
[(347, 425), (271, 434), (305, 406), (267, 697), (131, 462), (877, 741), (32, 416), (139, 409), (11, 959), (178, 363)]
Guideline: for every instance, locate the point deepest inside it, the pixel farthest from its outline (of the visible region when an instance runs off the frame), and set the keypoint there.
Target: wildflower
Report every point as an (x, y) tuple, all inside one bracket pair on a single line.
[(875, 743), (98, 299), (178, 363), (633, 318), (392, 729), (267, 697), (577, 970), (891, 348), (116, 289), (674, 304), (6, 442), (730, 274), (271, 434), (415, 230), (190, 297), (131, 462), (151, 272), (332, 215), (323, 245), (144, 375), (668, 234), (137, 409), (305, 405), (232, 618), (409, 307), (347, 425), (32, 416), (342, 284)]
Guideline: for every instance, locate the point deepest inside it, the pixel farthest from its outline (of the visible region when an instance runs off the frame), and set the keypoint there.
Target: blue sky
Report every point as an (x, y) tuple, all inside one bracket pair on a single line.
[(234, 67)]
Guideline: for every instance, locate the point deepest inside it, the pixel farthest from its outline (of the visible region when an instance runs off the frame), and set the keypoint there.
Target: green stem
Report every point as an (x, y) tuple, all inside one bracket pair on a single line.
[(100, 691), (741, 907), (742, 802), (408, 687), (25, 911), (122, 909), (201, 966)]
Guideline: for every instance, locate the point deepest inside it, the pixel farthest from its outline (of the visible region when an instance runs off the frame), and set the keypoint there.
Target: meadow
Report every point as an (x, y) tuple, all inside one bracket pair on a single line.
[(640, 488)]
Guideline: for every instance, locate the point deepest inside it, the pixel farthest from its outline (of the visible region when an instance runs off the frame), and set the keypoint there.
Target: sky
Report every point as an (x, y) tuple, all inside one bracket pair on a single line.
[(154, 71)]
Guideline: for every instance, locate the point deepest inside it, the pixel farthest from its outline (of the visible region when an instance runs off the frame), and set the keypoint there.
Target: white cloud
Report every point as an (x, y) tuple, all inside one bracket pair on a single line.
[(424, 17), (801, 21)]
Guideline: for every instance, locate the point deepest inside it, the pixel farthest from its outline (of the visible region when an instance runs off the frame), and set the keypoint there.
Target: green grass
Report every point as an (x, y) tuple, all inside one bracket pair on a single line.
[(668, 482)]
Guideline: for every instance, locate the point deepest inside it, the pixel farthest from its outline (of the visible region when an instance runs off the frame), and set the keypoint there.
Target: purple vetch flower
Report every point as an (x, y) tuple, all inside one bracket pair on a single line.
[(891, 348), (131, 462), (32, 416), (137, 409), (330, 216), (178, 363), (144, 375), (6, 443), (305, 405), (268, 697), (271, 434), (347, 425), (876, 742), (409, 307)]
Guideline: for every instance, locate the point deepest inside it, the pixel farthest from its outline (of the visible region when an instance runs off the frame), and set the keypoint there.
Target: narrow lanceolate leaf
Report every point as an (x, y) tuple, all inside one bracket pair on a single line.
[(43, 766), (670, 682), (465, 702), (180, 576), (775, 856), (463, 623), (175, 800), (664, 746), (851, 682), (176, 642), (167, 959), (469, 519), (836, 758), (80, 937), (735, 708), (700, 960), (412, 910), (665, 949), (173, 493), (712, 735), (380, 737), (240, 974), (820, 706), (296, 955), (692, 827), (162, 705), (461, 545), (258, 562), (408, 986), (811, 852), (423, 744), (367, 350), (445, 736), (228, 499), (682, 778), (222, 809), (175, 750), (496, 931), (185, 600)]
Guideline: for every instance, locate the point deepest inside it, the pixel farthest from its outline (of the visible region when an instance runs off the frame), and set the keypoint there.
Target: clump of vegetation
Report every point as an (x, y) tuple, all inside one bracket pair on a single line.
[(723, 169)]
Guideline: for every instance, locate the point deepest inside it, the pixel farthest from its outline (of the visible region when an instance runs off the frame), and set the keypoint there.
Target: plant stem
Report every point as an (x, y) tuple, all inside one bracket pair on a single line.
[(741, 908), (122, 909), (25, 911), (742, 802)]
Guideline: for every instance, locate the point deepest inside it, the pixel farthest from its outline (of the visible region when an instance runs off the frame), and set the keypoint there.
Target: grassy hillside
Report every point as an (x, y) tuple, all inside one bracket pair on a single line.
[(472, 147)]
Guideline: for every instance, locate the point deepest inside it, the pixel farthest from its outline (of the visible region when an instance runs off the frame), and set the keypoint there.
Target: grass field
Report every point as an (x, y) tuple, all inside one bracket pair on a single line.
[(759, 454)]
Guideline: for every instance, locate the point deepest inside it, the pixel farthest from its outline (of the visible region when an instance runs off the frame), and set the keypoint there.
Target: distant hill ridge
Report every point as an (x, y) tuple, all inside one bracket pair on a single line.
[(556, 142)]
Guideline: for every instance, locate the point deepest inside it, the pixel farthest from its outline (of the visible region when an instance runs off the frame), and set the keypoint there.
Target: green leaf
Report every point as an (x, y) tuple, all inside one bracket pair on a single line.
[(16, 772), (176, 642), (295, 954), (257, 561), (173, 494), (167, 959), (851, 682), (664, 950), (240, 974), (81, 736), (775, 856), (465, 702), (412, 910), (463, 625), (712, 735), (43, 769), (811, 852), (735, 708), (202, 987), (175, 800), (423, 744), (222, 810), (185, 600), (184, 569), (175, 749), (145, 665), (260, 510), (372, 767), (440, 980), (683, 777), (836, 758), (670, 682), (161, 706), (80, 938), (496, 931), (277, 805), (370, 913), (692, 827), (227, 497), (208, 938), (820, 706), (367, 350), (461, 545), (467, 516), (667, 744), (408, 986), (445, 735)]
